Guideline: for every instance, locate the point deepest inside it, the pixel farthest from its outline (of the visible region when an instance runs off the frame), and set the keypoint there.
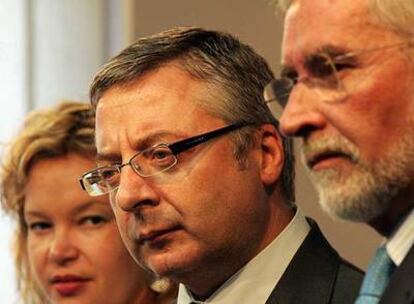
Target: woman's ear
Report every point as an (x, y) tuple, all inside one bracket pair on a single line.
[(272, 154)]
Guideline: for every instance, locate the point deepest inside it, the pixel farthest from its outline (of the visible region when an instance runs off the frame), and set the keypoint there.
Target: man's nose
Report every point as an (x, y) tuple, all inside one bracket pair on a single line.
[(301, 114), (134, 191), (62, 249)]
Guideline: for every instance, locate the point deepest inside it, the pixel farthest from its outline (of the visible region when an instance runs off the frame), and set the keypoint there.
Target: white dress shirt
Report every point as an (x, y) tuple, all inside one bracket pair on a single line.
[(401, 240), (256, 280)]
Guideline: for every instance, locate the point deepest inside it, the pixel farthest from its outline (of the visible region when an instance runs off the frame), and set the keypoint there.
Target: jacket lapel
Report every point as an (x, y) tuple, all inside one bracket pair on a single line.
[(299, 283), (401, 287)]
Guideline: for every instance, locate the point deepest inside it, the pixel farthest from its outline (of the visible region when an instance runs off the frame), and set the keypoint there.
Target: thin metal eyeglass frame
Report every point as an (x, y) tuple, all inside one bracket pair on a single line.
[(176, 148), (270, 90)]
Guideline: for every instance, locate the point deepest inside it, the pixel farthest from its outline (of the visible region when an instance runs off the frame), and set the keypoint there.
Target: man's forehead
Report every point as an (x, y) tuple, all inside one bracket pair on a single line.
[(164, 99), (112, 136), (311, 26), (125, 127), (334, 9), (145, 111)]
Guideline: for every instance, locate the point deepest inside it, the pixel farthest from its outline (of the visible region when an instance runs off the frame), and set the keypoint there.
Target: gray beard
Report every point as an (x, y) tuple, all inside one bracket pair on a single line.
[(367, 191)]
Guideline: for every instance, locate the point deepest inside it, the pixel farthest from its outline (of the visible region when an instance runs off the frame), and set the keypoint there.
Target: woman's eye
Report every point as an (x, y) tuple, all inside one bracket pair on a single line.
[(39, 226), (94, 220)]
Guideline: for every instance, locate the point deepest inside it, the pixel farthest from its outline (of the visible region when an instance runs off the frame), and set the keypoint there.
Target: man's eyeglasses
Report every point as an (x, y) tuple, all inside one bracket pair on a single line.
[(324, 77), (148, 162)]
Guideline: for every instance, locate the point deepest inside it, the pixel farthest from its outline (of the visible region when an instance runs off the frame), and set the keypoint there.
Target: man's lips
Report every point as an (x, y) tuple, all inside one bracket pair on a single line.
[(319, 161), (68, 284), (156, 235)]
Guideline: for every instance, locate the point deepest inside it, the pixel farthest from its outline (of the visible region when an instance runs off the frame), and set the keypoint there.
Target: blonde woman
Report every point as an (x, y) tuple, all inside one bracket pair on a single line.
[(67, 247)]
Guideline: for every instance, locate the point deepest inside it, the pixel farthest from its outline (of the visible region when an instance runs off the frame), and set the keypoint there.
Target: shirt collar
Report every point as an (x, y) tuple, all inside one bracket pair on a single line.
[(262, 273), (401, 240)]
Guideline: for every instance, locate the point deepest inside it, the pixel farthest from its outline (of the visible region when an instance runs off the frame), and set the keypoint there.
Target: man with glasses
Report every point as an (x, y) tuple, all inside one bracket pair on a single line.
[(346, 89), (199, 178)]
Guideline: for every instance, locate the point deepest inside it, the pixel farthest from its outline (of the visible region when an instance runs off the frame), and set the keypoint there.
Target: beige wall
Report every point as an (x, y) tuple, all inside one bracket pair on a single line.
[(255, 23)]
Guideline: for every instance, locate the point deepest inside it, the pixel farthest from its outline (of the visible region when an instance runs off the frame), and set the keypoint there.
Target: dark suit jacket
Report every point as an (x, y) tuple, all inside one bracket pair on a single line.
[(400, 290), (317, 275)]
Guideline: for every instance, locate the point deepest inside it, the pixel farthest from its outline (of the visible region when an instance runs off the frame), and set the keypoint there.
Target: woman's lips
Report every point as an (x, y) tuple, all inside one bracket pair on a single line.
[(69, 285)]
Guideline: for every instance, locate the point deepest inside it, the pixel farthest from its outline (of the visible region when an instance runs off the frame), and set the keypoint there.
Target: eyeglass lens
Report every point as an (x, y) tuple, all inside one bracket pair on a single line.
[(322, 79)]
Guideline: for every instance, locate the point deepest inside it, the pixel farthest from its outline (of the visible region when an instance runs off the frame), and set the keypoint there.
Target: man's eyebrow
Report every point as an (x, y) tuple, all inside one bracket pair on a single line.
[(152, 139), (110, 157), (149, 140), (327, 49)]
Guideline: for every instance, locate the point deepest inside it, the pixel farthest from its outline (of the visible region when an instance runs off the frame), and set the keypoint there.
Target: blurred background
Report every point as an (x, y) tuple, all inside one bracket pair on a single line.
[(50, 49)]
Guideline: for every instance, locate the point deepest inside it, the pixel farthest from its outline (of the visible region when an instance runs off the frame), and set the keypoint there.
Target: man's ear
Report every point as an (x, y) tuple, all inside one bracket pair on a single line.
[(272, 154)]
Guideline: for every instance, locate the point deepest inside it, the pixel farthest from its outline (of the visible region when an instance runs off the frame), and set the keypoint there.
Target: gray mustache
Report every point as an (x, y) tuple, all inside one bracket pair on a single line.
[(313, 149)]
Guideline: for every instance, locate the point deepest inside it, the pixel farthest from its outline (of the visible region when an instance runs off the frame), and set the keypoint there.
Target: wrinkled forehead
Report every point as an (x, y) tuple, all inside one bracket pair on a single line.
[(166, 101), (311, 25)]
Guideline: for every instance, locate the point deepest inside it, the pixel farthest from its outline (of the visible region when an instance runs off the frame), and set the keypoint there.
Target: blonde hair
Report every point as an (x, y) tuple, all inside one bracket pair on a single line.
[(67, 127)]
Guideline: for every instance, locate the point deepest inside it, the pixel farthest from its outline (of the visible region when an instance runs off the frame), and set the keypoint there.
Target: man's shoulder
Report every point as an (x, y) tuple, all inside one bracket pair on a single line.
[(348, 283), (317, 274), (401, 287), (346, 279)]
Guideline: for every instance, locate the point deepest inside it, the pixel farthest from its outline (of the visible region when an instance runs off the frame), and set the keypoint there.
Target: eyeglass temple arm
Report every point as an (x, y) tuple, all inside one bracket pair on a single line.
[(81, 184), (191, 142)]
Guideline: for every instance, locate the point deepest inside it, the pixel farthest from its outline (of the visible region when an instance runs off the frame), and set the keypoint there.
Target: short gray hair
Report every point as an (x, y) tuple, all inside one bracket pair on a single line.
[(397, 15), (234, 73)]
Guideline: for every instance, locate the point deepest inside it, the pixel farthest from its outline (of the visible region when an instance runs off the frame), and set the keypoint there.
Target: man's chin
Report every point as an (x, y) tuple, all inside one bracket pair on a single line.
[(348, 211), (169, 263), (354, 206), (354, 195)]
